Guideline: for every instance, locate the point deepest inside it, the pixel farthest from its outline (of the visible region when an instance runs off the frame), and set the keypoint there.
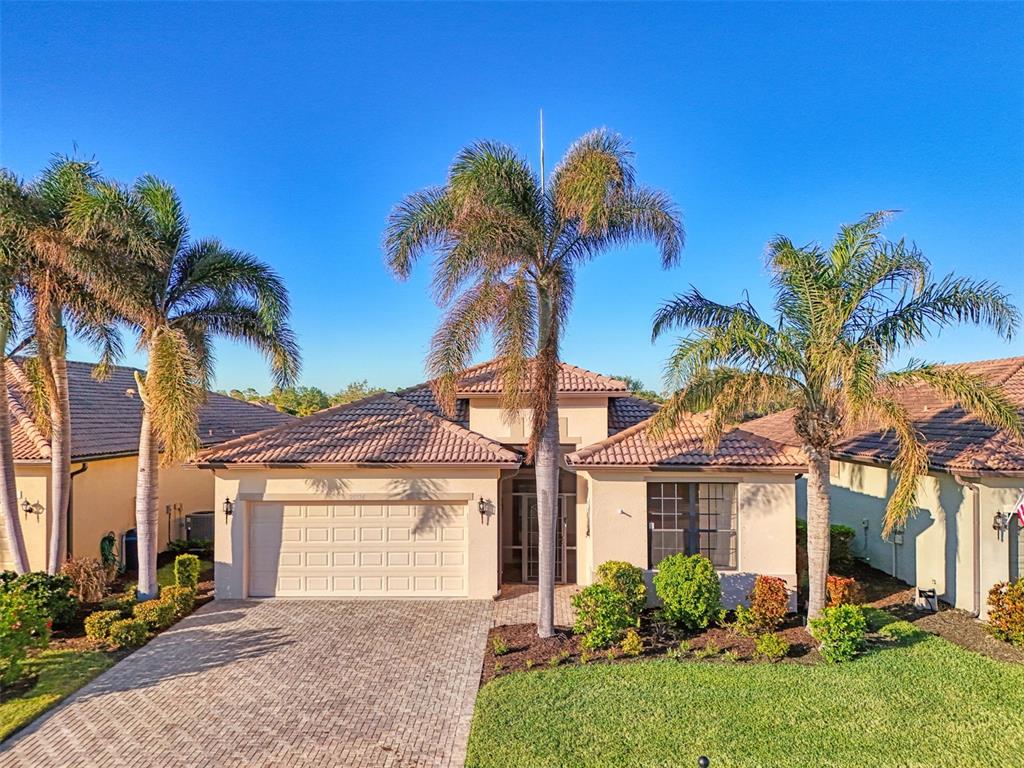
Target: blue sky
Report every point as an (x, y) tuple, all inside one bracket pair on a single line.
[(291, 130)]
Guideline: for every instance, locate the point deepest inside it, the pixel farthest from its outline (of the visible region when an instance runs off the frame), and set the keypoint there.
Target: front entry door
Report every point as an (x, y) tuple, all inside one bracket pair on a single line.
[(524, 546)]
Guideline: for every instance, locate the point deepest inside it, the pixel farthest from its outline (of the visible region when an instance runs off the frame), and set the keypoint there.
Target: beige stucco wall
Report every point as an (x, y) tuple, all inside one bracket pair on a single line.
[(766, 535), (936, 550), (104, 500), (583, 420), (243, 486)]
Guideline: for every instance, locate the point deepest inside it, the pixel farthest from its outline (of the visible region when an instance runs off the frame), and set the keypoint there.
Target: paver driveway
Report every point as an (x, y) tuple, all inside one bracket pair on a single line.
[(283, 683)]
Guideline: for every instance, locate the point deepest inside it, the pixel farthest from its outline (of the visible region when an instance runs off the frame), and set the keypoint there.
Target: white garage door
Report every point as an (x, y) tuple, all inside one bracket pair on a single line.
[(387, 549)]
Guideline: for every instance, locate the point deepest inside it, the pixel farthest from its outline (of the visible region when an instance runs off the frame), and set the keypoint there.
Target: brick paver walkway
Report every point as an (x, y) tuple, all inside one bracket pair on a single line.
[(518, 604), (279, 683)]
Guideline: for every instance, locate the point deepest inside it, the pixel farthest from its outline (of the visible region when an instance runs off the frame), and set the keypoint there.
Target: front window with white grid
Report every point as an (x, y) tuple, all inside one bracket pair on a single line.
[(692, 518)]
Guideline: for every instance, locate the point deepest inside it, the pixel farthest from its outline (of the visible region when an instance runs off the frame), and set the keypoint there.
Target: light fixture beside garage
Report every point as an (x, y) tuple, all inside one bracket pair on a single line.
[(228, 508), (485, 509)]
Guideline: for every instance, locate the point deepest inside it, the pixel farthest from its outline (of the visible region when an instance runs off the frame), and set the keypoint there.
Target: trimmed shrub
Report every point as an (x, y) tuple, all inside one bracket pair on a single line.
[(840, 632), (632, 644), (602, 616), (155, 614), (840, 544), (769, 604), (121, 603), (127, 633), (843, 590), (182, 599), (771, 647), (186, 571), (97, 625), (689, 590), (626, 579), (1006, 611), (24, 625), (53, 595), (89, 576)]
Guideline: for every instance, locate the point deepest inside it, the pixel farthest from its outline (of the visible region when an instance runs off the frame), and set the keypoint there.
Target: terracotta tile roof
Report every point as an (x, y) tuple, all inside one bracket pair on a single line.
[(106, 417), (422, 396), (956, 441), (682, 447), (382, 429), (624, 412), (483, 379)]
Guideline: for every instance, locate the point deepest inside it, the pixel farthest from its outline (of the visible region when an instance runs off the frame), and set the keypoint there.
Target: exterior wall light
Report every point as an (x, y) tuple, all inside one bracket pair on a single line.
[(1001, 522), (484, 506), (228, 508)]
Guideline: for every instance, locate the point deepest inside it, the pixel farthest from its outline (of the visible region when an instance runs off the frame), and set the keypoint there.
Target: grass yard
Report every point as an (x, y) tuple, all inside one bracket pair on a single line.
[(929, 703), (61, 673)]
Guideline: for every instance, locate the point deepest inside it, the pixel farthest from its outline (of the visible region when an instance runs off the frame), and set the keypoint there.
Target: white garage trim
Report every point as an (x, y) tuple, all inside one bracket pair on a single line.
[(367, 548)]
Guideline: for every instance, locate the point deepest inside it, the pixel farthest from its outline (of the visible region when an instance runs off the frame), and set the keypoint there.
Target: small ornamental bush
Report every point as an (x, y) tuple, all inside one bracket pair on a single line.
[(23, 626), (632, 644), (155, 614), (844, 590), (771, 647), (186, 571), (1006, 611), (127, 633), (710, 649), (122, 604), (769, 603), (840, 632), (689, 590), (97, 625), (182, 599), (626, 579), (602, 616), (499, 646), (900, 631), (53, 594), (89, 576)]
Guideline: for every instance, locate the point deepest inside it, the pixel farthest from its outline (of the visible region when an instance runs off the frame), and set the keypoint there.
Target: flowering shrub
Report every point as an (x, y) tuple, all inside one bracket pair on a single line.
[(602, 616), (23, 626), (186, 571), (769, 603), (155, 614), (626, 579), (844, 590), (689, 590), (127, 633), (840, 632), (97, 625), (1006, 611)]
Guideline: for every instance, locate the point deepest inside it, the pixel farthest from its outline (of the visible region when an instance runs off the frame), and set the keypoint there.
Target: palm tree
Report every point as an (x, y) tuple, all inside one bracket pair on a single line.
[(35, 228), (178, 294), (508, 243), (842, 316), (8, 485)]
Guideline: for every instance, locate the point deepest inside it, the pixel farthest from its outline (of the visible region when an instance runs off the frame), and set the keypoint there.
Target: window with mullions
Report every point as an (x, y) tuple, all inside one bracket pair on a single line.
[(692, 518)]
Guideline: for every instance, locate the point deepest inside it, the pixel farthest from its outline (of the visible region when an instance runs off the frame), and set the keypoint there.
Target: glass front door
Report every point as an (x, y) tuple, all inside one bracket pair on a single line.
[(521, 549)]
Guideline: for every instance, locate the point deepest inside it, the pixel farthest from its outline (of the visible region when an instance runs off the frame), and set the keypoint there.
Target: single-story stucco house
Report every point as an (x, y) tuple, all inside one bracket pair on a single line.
[(105, 420), (386, 497), (962, 538)]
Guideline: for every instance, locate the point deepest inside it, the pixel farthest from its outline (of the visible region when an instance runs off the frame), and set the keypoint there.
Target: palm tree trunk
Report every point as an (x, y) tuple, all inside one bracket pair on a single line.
[(8, 486), (818, 514), (60, 445), (146, 516), (546, 467)]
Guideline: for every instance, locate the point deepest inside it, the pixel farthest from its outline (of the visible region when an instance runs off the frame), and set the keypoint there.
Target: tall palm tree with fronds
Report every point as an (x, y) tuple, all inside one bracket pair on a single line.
[(35, 229), (842, 315), (508, 243), (8, 485), (178, 294)]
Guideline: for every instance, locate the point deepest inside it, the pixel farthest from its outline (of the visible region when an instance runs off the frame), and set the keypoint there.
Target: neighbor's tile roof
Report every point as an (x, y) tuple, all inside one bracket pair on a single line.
[(382, 429), (683, 447), (956, 441), (106, 416), (624, 412), (483, 379)]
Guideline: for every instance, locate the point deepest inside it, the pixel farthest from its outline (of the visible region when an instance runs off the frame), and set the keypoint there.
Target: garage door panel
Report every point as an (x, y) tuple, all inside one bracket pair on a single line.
[(344, 550)]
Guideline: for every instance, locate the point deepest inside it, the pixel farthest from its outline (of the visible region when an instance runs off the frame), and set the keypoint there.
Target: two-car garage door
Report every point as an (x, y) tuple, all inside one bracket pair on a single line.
[(358, 549)]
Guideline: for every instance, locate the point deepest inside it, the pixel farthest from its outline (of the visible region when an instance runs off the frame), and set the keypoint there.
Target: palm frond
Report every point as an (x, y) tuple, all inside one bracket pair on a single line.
[(172, 392), (417, 224), (589, 182)]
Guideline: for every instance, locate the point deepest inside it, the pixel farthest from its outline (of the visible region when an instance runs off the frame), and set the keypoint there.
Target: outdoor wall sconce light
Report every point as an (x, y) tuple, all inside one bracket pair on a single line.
[(485, 507), (30, 509), (1001, 522), (228, 508)]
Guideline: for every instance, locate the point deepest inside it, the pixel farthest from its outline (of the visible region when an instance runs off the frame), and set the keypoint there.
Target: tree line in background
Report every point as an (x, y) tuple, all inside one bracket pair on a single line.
[(302, 401), (85, 255)]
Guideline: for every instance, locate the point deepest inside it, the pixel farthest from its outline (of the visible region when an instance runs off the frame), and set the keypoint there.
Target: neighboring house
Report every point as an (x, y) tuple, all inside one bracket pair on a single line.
[(961, 539), (105, 421), (385, 497)]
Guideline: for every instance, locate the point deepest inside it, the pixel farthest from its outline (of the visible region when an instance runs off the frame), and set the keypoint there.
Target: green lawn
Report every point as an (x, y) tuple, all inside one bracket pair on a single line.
[(927, 704), (60, 674)]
